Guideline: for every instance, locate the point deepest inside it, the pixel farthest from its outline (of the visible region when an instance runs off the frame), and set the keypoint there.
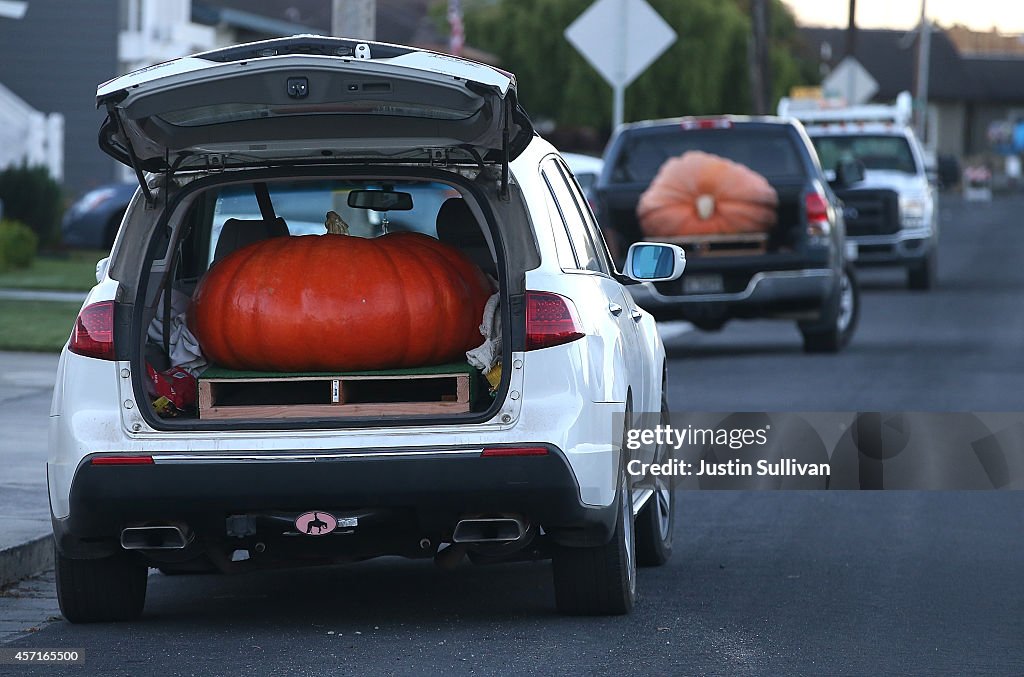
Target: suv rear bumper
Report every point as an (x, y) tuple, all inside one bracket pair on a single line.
[(768, 292), (428, 489)]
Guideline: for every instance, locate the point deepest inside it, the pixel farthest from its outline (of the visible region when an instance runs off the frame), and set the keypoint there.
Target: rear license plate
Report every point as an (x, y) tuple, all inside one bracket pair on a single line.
[(703, 284)]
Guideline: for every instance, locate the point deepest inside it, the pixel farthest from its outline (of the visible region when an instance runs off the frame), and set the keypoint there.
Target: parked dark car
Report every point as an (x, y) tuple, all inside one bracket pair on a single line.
[(92, 221), (799, 273)]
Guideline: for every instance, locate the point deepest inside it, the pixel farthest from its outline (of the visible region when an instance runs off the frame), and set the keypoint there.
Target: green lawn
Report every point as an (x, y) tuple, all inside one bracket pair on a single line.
[(42, 326), (74, 271)]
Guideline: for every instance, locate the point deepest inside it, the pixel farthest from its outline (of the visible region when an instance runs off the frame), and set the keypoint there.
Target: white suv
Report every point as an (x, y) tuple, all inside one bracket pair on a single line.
[(241, 144)]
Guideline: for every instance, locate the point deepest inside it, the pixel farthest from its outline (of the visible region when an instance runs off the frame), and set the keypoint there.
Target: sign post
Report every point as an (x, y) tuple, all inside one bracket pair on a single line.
[(620, 39)]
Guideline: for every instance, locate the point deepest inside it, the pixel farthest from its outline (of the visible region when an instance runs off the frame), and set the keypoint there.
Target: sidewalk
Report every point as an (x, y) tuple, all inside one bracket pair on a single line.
[(26, 385), (39, 295)]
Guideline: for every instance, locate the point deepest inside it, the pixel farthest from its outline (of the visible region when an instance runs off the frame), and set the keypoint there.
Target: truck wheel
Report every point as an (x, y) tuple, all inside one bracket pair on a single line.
[(656, 520), (599, 580), (839, 319), (98, 590), (921, 275)]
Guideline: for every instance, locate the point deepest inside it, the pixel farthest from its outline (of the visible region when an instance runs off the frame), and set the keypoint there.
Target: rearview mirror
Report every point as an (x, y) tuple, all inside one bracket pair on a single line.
[(655, 262), (380, 200)]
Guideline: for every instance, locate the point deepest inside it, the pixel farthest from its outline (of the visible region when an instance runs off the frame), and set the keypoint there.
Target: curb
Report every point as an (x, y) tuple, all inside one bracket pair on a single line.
[(26, 559), (42, 295)]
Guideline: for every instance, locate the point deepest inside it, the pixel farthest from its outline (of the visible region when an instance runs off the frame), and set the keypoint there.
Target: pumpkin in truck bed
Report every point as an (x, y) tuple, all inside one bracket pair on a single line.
[(336, 302), (703, 194)]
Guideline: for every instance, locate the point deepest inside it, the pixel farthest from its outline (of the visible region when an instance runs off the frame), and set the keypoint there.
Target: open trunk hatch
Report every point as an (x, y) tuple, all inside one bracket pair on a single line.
[(312, 99)]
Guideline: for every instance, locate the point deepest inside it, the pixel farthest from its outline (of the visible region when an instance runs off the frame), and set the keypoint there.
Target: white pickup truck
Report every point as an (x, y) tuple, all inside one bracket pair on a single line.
[(892, 216)]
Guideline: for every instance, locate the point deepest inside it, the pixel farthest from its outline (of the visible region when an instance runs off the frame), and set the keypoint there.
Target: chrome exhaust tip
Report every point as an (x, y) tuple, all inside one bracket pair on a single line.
[(165, 537), (489, 530)]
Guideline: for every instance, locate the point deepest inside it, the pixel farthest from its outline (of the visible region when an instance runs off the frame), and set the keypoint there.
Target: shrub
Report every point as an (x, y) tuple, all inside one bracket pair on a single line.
[(17, 245), (31, 196)]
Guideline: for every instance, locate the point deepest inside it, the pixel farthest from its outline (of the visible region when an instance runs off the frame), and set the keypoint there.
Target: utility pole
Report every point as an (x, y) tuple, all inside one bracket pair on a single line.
[(924, 57), (760, 61), (354, 19)]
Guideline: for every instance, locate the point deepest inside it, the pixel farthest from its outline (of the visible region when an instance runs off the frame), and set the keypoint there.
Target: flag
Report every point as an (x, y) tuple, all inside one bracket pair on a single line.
[(457, 34)]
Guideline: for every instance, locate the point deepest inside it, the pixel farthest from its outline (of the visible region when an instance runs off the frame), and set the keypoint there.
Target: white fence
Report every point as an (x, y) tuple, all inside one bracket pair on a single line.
[(26, 135)]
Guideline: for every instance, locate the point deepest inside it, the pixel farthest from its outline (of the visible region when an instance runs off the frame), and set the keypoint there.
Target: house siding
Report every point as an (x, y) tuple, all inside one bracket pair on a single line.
[(53, 58)]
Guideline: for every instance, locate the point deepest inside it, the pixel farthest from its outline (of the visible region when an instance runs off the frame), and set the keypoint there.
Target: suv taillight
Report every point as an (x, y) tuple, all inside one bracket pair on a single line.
[(93, 335), (551, 320), (817, 215)]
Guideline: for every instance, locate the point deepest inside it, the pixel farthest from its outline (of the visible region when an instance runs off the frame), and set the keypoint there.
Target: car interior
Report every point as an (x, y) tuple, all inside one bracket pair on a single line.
[(229, 217)]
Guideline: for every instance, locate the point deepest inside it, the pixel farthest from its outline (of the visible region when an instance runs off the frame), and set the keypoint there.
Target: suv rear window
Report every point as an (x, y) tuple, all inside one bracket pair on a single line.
[(769, 152), (881, 151), (304, 204)]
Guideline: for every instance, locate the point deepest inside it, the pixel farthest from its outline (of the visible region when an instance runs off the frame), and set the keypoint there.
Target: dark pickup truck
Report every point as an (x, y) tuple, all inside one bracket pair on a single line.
[(798, 271)]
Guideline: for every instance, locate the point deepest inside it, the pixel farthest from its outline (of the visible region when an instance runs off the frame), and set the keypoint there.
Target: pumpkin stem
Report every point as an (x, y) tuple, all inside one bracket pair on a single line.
[(335, 224), (705, 206)]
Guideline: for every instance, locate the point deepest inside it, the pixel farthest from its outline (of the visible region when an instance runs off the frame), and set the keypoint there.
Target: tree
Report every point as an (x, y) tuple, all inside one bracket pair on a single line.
[(704, 72)]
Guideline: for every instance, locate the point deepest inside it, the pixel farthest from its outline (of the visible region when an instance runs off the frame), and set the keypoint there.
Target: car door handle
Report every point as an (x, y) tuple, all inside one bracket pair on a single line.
[(615, 309), (636, 315)]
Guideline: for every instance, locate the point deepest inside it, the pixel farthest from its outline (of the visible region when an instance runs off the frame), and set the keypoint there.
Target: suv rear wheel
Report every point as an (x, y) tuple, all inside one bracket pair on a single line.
[(834, 331), (97, 590), (599, 580)]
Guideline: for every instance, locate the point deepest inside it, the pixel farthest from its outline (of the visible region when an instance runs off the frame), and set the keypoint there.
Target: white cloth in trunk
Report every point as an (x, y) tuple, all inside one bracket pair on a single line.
[(184, 346), (484, 356)]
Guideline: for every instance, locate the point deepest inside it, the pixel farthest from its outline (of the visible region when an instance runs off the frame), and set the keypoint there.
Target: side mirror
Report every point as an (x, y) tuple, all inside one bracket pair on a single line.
[(101, 269), (380, 200), (655, 262), (849, 172)]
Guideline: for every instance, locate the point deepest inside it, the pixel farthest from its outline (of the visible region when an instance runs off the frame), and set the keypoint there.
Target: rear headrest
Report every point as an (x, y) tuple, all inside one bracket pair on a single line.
[(457, 226), (238, 233)]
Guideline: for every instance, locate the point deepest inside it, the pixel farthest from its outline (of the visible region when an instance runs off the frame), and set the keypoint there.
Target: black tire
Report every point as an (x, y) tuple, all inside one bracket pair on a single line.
[(100, 590), (921, 275), (599, 580), (839, 320), (656, 520)]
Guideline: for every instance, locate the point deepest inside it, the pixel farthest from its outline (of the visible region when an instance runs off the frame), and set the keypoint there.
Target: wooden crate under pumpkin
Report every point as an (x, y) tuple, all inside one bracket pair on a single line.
[(441, 389)]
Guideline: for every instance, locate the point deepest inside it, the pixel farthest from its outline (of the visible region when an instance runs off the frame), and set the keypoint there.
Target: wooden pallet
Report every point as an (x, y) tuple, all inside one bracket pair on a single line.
[(224, 394), (737, 244)]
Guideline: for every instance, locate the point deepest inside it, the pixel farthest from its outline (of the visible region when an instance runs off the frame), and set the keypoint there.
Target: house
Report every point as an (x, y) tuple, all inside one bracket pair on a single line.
[(968, 91), (54, 55)]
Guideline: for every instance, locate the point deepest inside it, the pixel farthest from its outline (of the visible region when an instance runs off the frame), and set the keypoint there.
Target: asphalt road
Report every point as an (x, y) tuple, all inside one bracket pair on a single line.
[(957, 348), (761, 583)]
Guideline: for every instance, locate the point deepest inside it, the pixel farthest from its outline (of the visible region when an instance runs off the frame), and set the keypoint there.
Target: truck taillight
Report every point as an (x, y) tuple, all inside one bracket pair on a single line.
[(93, 335), (551, 320), (818, 224)]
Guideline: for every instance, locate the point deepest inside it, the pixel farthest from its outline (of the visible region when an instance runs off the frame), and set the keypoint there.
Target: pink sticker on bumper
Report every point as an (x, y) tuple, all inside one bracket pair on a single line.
[(316, 523)]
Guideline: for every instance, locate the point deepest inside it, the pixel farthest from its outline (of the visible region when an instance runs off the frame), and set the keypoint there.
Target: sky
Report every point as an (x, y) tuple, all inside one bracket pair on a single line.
[(982, 15)]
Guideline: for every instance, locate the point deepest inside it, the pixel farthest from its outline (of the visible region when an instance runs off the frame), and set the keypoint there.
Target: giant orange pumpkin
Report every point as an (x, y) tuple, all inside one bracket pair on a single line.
[(703, 194), (340, 303)]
